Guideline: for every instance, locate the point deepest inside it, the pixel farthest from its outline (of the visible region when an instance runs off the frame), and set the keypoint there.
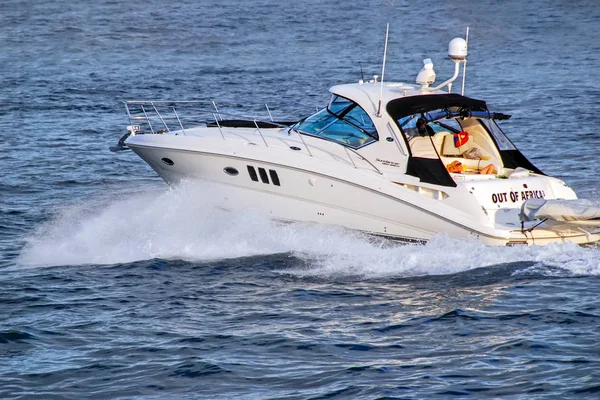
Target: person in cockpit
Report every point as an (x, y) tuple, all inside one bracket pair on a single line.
[(423, 128)]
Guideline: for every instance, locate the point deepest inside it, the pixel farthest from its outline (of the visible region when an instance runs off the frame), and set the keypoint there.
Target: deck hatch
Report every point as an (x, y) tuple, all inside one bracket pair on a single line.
[(252, 173)]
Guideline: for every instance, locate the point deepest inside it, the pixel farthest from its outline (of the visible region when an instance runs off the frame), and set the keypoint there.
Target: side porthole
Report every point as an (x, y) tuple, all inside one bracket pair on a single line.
[(167, 161), (295, 148), (230, 171)]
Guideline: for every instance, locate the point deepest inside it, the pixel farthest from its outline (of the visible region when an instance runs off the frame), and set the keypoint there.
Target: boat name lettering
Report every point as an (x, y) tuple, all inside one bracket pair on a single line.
[(533, 194), (387, 162), (517, 196), (499, 197)]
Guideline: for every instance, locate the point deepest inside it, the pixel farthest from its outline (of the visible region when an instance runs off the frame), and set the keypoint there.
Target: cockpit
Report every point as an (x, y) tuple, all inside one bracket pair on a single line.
[(449, 133), (342, 121)]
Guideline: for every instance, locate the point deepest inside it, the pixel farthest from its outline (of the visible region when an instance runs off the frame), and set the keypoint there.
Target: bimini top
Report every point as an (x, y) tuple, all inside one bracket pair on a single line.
[(410, 105)]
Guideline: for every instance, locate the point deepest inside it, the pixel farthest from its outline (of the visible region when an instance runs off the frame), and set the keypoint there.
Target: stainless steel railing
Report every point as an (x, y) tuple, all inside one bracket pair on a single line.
[(162, 116), (153, 114)]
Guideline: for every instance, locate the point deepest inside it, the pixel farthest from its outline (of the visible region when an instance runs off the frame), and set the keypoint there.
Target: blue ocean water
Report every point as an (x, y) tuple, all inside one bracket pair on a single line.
[(116, 286)]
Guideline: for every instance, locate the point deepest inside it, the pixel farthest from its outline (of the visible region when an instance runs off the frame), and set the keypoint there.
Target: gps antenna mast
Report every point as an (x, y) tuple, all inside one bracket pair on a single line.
[(387, 31), (362, 76), (465, 64)]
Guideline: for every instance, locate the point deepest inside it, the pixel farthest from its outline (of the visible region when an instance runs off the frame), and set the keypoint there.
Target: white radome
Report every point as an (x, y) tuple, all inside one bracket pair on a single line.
[(457, 49)]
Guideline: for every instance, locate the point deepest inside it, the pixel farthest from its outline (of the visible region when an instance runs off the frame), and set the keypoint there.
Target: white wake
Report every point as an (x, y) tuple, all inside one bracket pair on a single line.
[(186, 223)]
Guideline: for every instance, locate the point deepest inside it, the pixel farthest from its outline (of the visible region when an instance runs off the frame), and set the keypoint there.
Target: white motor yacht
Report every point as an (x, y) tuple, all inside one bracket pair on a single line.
[(405, 161)]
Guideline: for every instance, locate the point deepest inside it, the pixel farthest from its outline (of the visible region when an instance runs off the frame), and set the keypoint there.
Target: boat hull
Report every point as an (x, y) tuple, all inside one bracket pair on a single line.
[(303, 195)]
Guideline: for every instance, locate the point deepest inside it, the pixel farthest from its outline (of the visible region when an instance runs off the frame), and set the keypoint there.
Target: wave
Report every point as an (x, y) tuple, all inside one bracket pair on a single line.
[(187, 223)]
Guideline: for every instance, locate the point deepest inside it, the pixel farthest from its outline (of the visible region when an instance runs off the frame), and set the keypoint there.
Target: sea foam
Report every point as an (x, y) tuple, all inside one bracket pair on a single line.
[(187, 223)]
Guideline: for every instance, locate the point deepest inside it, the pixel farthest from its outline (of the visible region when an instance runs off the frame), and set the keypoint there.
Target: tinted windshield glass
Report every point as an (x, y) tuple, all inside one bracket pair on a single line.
[(338, 105), (342, 121)]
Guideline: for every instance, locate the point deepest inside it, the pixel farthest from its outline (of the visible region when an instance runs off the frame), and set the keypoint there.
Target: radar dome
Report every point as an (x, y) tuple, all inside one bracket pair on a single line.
[(457, 49)]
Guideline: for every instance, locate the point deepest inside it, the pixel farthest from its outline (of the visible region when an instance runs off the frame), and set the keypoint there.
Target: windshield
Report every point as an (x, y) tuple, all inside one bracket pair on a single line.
[(342, 121)]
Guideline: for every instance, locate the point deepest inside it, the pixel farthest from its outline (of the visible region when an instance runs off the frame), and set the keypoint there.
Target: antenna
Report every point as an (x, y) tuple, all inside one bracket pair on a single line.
[(387, 31), (362, 76), (465, 64), (269, 111), (217, 110)]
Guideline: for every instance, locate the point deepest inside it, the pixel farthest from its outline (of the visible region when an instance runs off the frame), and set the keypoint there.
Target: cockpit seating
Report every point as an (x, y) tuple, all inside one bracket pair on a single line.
[(444, 142), (422, 146)]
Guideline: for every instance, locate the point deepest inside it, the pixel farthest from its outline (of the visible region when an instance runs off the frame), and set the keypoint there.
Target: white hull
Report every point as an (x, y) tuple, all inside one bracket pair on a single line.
[(306, 196), (367, 201)]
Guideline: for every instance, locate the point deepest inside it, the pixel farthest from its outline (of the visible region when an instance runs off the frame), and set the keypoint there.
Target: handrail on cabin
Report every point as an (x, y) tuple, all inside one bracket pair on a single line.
[(144, 114)]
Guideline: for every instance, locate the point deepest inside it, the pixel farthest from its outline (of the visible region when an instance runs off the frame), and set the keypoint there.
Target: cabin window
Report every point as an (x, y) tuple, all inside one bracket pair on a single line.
[(252, 173), (342, 121), (274, 177), (263, 175)]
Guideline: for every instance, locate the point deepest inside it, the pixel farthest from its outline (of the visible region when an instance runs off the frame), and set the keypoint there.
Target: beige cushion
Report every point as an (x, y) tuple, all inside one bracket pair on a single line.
[(448, 148), (421, 146)]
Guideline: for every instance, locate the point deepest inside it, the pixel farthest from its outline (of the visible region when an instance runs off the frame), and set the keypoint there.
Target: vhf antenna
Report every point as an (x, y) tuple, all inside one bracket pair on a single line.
[(465, 64), (387, 31), (362, 76)]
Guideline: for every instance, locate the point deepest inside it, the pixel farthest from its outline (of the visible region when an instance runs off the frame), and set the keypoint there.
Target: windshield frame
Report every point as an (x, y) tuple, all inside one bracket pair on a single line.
[(339, 117), (346, 111)]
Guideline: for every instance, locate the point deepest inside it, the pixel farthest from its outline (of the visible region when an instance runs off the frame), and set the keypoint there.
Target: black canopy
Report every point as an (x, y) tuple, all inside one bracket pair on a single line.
[(404, 106), (433, 170)]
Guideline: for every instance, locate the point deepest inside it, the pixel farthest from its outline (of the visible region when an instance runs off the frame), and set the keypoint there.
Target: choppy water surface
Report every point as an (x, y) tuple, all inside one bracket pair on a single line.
[(116, 286)]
